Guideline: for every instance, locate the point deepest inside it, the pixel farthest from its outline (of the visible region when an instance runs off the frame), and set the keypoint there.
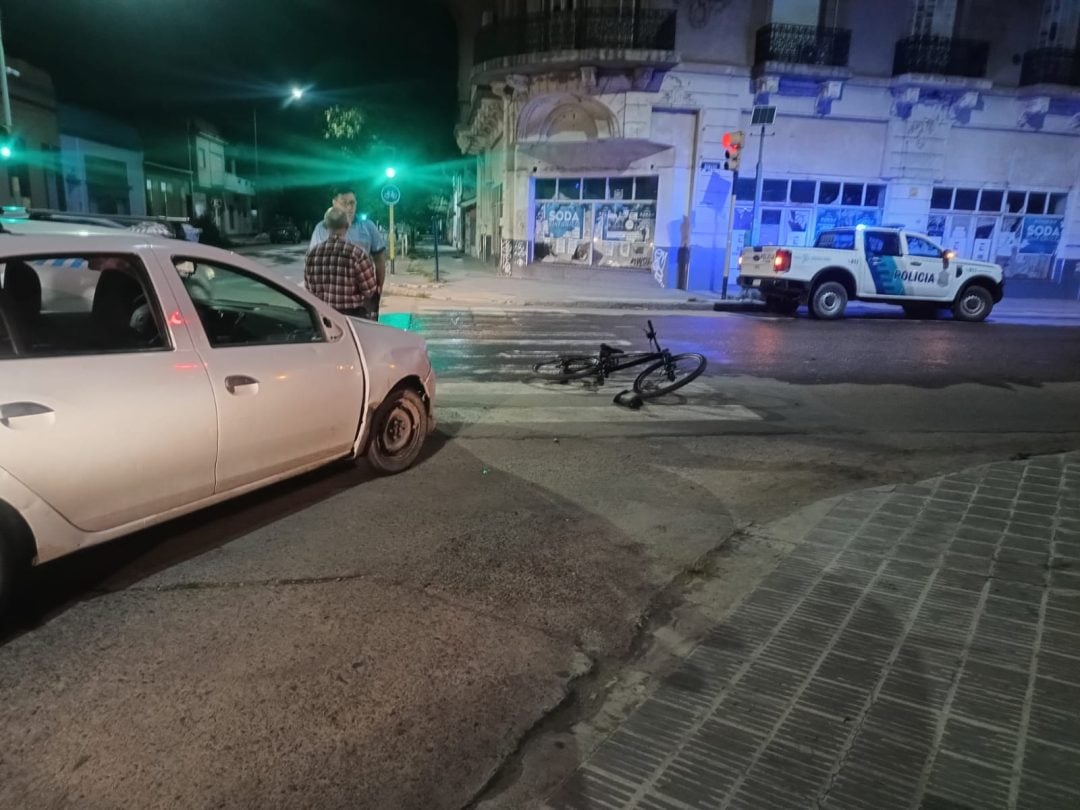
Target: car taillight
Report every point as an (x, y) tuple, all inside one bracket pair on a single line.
[(782, 262)]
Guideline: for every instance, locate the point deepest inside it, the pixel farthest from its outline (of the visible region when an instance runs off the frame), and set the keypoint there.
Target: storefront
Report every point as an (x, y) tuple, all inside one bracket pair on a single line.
[(594, 221), (1018, 229), (794, 212)]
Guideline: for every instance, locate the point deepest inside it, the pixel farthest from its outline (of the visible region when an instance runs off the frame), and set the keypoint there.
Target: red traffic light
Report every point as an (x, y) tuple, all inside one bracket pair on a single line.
[(726, 142)]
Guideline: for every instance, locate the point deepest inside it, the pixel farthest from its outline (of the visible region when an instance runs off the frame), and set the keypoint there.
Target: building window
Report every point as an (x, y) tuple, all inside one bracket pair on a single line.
[(802, 191), (202, 158), (621, 188), (991, 200), (966, 198), (828, 193), (1036, 203), (774, 191), (646, 188), (545, 189), (875, 195), (941, 199), (595, 188), (569, 188)]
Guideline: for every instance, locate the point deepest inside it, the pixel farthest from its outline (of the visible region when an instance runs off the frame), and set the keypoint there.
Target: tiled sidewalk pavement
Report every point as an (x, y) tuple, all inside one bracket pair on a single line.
[(920, 648)]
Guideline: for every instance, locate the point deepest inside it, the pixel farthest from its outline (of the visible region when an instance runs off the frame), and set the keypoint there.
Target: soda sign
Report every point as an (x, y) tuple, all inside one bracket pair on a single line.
[(1040, 235)]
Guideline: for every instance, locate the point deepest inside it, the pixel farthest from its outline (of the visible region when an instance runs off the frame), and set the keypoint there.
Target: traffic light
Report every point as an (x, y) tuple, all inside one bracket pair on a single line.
[(733, 143), (7, 144)]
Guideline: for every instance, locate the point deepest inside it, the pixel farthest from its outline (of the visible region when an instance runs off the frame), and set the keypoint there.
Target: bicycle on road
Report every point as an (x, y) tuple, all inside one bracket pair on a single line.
[(667, 372)]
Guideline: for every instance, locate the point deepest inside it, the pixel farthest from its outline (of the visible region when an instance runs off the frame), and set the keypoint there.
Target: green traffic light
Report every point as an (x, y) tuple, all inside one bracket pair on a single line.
[(5, 152), (391, 172)]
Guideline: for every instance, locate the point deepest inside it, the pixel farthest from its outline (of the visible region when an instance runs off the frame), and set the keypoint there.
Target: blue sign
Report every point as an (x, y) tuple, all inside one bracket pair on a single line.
[(391, 195), (1040, 235)]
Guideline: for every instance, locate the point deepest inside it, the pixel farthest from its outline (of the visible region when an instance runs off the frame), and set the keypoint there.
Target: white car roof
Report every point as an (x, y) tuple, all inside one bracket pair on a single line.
[(117, 241)]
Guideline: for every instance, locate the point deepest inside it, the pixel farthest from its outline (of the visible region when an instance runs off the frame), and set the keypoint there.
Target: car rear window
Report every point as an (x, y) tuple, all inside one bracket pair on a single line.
[(836, 240)]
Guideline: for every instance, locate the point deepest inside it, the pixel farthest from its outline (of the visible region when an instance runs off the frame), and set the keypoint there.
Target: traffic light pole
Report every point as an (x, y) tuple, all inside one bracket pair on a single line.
[(759, 182), (730, 235)]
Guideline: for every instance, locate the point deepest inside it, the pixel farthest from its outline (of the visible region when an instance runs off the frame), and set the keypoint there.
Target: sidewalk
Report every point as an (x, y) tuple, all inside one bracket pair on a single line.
[(919, 647), (465, 281)]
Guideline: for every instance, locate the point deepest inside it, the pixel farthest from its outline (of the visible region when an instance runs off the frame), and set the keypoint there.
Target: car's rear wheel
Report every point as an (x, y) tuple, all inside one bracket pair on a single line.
[(828, 301), (398, 431), (973, 304)]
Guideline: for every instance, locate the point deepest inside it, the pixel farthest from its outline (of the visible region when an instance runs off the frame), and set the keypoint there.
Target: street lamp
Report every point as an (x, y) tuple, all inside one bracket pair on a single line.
[(391, 172), (295, 94)]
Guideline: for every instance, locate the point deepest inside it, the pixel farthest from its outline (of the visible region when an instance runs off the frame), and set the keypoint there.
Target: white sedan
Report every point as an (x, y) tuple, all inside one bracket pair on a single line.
[(142, 378)]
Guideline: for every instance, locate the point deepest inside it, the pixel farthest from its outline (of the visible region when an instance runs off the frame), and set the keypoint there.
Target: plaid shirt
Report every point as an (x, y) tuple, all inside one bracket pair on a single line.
[(340, 273)]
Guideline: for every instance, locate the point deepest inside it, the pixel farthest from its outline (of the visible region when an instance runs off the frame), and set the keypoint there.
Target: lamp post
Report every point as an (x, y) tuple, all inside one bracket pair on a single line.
[(391, 173), (295, 94)]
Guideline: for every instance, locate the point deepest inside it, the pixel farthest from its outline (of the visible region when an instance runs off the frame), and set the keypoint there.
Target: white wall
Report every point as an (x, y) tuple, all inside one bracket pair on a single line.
[(74, 152)]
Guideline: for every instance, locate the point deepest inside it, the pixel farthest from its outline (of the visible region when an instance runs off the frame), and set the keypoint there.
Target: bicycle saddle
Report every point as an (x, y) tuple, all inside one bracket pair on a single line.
[(605, 349)]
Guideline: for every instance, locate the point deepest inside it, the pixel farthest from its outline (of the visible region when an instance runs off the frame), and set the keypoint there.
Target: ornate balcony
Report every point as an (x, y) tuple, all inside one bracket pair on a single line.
[(941, 56), (597, 36), (1059, 66), (818, 51)]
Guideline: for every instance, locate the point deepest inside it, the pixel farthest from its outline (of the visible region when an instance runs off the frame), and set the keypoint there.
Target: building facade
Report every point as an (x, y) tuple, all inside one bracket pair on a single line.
[(102, 163), (219, 191), (31, 175), (598, 130)]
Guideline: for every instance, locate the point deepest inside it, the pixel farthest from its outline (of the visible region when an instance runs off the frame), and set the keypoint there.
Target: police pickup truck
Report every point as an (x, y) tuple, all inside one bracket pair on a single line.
[(885, 265)]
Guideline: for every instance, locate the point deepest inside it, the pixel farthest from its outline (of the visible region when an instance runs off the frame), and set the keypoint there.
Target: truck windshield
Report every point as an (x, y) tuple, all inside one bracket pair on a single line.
[(837, 240)]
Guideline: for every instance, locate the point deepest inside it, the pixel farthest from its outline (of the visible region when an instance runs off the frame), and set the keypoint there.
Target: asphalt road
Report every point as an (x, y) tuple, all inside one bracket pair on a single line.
[(351, 641)]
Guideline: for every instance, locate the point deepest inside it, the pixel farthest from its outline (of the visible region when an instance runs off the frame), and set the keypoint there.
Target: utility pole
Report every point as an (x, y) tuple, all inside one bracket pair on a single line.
[(258, 181), (4, 85), (763, 116)]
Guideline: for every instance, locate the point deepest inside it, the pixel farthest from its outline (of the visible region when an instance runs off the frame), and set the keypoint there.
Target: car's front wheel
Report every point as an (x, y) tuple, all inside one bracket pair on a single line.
[(398, 431), (973, 304)]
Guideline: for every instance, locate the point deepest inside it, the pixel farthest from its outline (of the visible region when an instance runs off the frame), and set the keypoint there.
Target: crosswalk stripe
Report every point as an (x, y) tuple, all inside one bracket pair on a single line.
[(552, 414)]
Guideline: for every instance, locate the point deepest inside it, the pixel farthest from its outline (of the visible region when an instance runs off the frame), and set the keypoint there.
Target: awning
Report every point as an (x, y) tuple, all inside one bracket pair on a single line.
[(608, 154)]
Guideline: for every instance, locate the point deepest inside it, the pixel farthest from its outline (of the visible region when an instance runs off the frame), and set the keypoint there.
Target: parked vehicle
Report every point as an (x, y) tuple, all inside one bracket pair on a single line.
[(285, 232), (887, 265), (150, 397)]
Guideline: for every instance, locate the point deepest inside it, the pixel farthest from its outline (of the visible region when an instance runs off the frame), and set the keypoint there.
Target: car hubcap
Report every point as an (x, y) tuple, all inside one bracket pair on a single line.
[(830, 301), (398, 430), (973, 305)]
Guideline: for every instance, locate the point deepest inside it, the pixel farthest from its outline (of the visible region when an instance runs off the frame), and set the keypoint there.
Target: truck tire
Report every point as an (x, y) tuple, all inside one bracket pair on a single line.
[(828, 301), (973, 304)]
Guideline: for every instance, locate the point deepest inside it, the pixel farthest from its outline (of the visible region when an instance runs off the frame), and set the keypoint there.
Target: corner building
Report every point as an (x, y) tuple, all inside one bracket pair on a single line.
[(597, 128)]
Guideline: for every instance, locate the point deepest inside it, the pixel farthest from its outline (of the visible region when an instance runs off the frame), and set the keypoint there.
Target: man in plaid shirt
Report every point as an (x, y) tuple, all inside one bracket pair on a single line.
[(340, 272)]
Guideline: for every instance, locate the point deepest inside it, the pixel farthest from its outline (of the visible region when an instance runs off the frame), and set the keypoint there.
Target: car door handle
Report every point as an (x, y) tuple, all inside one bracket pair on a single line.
[(916, 264), (21, 415), (241, 385)]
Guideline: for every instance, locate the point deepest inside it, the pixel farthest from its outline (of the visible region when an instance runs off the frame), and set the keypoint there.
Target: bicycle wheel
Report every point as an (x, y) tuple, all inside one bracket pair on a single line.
[(666, 376), (570, 367)]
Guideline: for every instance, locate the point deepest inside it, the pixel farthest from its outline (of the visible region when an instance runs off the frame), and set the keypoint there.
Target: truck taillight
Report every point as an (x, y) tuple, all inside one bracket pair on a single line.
[(782, 262)]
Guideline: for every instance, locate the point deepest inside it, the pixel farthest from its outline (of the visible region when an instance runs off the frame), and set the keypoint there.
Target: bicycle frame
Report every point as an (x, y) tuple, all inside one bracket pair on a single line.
[(612, 360)]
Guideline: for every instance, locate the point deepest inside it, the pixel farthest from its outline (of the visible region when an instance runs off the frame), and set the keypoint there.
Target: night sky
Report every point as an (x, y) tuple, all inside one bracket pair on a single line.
[(146, 60)]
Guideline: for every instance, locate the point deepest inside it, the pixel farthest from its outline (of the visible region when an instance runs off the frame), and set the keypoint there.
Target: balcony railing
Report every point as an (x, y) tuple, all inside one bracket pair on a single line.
[(1051, 66), (941, 56), (803, 45), (581, 29)]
